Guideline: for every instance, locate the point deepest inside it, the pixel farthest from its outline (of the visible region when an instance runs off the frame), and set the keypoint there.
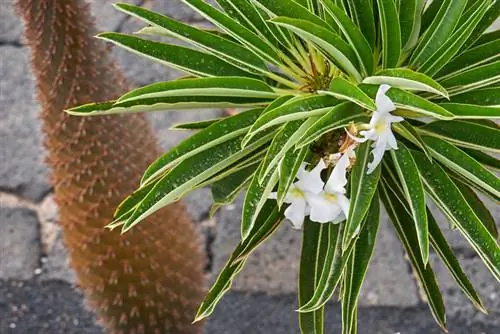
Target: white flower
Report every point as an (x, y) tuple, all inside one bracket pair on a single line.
[(331, 205), (379, 129), (308, 183)]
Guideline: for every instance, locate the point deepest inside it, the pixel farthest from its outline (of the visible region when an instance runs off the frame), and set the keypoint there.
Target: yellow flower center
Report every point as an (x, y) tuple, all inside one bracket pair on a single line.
[(381, 127), (331, 197), (297, 193)]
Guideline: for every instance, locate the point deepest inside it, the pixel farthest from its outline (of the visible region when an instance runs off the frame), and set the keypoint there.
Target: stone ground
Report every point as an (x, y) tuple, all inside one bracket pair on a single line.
[(37, 291)]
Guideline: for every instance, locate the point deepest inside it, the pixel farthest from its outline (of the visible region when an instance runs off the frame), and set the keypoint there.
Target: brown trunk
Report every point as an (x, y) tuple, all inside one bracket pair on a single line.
[(151, 279)]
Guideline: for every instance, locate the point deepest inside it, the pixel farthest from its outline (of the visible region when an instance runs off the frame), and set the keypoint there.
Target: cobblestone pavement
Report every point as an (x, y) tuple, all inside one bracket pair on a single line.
[(37, 293)]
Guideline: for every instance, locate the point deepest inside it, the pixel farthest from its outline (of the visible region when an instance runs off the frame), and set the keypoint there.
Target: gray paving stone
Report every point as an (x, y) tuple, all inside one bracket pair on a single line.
[(21, 169), (20, 246), (56, 263), (107, 17), (10, 25), (272, 268)]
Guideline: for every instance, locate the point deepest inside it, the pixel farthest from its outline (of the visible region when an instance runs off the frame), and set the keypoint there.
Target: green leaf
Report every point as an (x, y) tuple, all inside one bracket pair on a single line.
[(414, 192), (195, 125), (486, 22), (344, 90), (225, 191), (165, 104), (484, 97), (391, 33), (219, 46), (288, 170), (405, 229), (282, 143), (451, 262), (184, 177), (362, 14), (409, 101), (312, 260), (363, 188), (178, 57), (408, 131), (334, 263), (452, 46), (458, 161), (291, 9), (483, 158), (219, 132), (218, 86), (299, 108), (327, 40), (465, 134), (439, 31), (472, 111), (256, 196), (357, 266), (404, 78), (410, 19), (486, 38), (481, 76), (471, 59), (268, 223), (338, 116), (449, 198), (353, 36), (242, 34), (479, 208)]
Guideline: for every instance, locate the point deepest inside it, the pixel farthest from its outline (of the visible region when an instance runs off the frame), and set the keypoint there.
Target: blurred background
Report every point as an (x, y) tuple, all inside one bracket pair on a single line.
[(37, 288)]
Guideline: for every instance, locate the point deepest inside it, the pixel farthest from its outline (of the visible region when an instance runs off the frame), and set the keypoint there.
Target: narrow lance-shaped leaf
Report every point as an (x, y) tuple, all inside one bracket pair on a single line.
[(189, 173), (405, 229), (284, 141), (472, 111), (178, 57), (414, 193), (465, 134), (391, 33), (219, 46), (327, 40), (439, 243), (408, 131), (338, 117), (363, 16), (223, 130), (300, 108), (225, 191), (235, 29), (410, 19), (477, 77), (257, 194), (483, 97), (458, 161), (357, 266), (363, 187), (474, 57), (344, 90), (451, 201), (486, 22), (352, 34), (200, 125), (404, 78), (439, 31), (215, 86), (312, 261), (451, 47)]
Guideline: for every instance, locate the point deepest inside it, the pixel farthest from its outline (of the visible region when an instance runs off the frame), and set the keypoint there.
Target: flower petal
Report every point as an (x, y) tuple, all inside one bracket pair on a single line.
[(296, 213), (378, 154), (337, 180), (311, 181), (384, 103), (322, 210)]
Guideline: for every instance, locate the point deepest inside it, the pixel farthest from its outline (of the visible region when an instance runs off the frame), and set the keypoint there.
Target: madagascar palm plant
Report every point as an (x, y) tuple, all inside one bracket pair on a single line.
[(344, 104)]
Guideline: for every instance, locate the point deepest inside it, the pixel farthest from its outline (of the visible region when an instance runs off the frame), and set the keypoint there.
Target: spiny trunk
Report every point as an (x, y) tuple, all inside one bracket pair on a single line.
[(151, 279)]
